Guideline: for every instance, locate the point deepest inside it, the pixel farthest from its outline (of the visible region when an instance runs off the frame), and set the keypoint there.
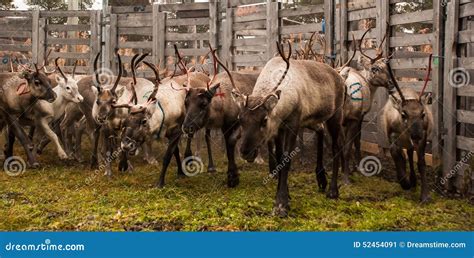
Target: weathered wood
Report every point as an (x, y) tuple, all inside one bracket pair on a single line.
[(67, 41), (62, 27), (421, 16), (187, 51), (213, 22), (250, 25), (249, 42), (465, 116), (273, 28), (449, 96), (343, 37), (69, 55), (144, 31), (15, 47), (329, 30), (465, 143), (437, 79), (301, 10), (35, 36), (228, 34), (353, 5), (136, 44), (187, 21), (412, 40), (361, 14), (113, 42), (186, 36), (10, 13), (135, 20), (304, 28)]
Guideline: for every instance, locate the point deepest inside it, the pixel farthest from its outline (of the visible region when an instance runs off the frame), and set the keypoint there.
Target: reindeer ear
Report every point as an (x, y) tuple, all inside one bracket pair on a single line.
[(426, 98), (345, 73), (239, 98), (119, 92), (272, 100), (212, 91), (95, 90), (395, 101), (57, 78)]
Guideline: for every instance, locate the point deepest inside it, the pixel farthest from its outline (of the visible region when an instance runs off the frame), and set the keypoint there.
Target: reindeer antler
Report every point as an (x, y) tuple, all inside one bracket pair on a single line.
[(394, 80), (59, 69), (119, 76), (379, 48), (353, 53), (227, 71), (287, 61), (157, 80), (96, 73), (74, 69)]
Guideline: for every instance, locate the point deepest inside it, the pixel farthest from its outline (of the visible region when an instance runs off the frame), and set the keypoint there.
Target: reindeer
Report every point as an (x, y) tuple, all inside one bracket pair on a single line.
[(161, 115), (98, 105), (407, 122), (213, 107), (20, 91), (361, 88), (307, 94), (67, 92)]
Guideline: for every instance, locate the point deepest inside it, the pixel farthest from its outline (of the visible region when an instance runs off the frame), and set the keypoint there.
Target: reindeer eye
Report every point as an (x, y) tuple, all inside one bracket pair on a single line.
[(144, 121), (404, 115), (423, 114), (375, 69), (37, 81), (264, 121), (68, 88)]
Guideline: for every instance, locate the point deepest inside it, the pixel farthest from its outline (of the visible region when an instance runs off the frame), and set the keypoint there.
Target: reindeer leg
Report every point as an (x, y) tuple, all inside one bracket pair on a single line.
[(178, 162), (425, 192), (210, 168), (173, 140), (96, 139), (10, 141), (286, 138), (357, 140), (335, 130), (17, 130), (400, 165), (272, 159), (109, 149), (350, 133), (124, 163), (230, 142), (320, 171), (44, 125), (412, 168), (188, 152), (77, 132)]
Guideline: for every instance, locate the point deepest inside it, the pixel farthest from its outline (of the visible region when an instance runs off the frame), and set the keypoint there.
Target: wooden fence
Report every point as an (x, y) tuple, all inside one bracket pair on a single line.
[(245, 31)]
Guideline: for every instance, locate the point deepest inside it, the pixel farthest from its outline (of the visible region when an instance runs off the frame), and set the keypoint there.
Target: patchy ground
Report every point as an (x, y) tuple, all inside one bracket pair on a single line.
[(71, 197)]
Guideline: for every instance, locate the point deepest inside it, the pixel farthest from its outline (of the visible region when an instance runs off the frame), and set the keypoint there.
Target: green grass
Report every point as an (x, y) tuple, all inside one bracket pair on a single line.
[(71, 197)]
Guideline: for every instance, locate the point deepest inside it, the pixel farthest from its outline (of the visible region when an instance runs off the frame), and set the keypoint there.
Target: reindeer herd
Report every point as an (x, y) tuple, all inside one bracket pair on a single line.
[(263, 109)]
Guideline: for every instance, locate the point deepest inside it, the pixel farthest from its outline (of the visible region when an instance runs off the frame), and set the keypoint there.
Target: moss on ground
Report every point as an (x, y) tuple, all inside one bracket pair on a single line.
[(70, 197)]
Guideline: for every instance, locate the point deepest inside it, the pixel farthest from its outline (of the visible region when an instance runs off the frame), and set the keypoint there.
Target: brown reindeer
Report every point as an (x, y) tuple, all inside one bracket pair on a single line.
[(19, 93), (307, 94), (407, 122)]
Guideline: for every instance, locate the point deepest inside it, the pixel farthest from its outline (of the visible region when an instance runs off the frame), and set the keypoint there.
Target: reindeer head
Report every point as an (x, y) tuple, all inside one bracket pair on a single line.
[(68, 84), (413, 116), (198, 101), (375, 69), (256, 111), (136, 125), (106, 97), (39, 84)]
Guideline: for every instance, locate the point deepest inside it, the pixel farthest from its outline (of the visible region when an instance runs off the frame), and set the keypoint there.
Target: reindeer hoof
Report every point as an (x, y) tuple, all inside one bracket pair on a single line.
[(94, 163), (108, 173), (233, 182), (259, 161), (332, 194), (280, 211), (152, 161), (425, 200), (211, 169), (160, 185), (123, 166), (35, 165)]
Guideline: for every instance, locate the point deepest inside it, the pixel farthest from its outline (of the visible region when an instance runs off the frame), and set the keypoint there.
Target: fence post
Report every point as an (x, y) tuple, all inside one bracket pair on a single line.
[(228, 38), (342, 18), (159, 34), (35, 36), (381, 96), (95, 43), (273, 27), (112, 43), (329, 30), (213, 23), (449, 96), (437, 79)]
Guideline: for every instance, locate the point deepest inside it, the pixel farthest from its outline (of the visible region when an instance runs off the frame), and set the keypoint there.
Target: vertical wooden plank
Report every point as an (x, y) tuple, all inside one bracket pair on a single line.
[(35, 36), (449, 95), (213, 22), (437, 79), (42, 43), (342, 17), (95, 40), (161, 38), (381, 97), (155, 11), (329, 30), (273, 27), (113, 42), (228, 39)]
